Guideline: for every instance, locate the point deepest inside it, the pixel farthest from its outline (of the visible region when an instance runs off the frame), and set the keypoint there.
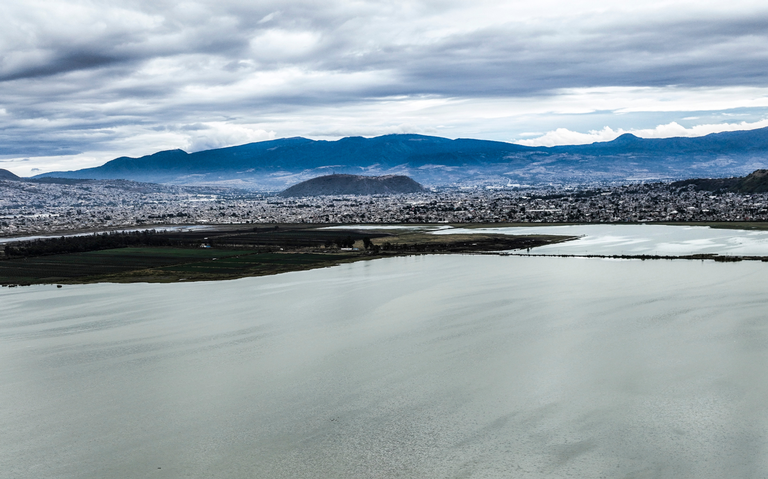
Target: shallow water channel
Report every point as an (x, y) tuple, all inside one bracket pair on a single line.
[(432, 366)]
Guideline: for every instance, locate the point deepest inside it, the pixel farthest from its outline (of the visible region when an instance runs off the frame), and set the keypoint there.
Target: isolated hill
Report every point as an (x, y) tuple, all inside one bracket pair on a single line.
[(276, 164), (755, 182), (7, 175), (354, 185)]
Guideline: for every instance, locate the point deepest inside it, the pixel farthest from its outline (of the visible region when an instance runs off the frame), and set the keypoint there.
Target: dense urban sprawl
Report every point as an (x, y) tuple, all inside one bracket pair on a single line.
[(35, 208)]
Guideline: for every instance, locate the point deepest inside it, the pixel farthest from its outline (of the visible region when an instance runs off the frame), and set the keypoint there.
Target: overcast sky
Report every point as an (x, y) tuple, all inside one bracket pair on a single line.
[(82, 82)]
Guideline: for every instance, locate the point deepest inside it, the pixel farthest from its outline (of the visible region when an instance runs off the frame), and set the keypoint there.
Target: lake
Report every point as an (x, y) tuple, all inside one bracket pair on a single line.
[(422, 366)]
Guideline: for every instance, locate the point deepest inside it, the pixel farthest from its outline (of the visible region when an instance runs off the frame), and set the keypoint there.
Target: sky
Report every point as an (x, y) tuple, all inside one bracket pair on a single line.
[(83, 82)]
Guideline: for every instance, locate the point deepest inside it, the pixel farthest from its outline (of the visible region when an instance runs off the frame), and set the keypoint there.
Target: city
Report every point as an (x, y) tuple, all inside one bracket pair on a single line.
[(28, 208)]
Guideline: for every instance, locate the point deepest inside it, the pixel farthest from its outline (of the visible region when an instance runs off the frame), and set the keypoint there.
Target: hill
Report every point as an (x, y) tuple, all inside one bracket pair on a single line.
[(276, 164), (7, 175), (755, 182), (354, 185)]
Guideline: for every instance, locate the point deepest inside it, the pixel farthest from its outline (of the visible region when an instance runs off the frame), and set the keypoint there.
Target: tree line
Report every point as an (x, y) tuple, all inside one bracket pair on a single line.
[(94, 242)]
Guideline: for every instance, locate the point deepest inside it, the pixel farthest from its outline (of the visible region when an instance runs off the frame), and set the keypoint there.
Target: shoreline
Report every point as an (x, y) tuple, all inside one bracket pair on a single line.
[(143, 276), (206, 256), (735, 225), (718, 258), (229, 252)]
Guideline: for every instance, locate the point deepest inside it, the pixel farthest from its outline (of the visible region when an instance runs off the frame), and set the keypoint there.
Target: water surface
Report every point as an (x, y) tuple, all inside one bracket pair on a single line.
[(436, 366)]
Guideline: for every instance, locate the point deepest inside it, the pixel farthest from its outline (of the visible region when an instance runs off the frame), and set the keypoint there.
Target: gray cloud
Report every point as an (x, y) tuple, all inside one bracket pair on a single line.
[(498, 62), (542, 56), (79, 76)]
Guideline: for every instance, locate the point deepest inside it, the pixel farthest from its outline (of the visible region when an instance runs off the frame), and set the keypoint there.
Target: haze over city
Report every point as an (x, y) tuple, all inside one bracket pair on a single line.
[(83, 83)]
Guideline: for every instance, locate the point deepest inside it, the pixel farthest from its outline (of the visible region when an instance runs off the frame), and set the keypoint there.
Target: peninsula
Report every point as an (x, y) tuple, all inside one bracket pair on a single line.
[(230, 252)]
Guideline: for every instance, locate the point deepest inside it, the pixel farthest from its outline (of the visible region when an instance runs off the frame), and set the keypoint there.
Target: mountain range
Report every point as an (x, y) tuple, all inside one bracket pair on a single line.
[(277, 164)]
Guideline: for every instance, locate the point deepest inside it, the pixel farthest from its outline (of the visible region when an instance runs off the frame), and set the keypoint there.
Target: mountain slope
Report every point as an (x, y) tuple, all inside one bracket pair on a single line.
[(7, 175), (755, 182)]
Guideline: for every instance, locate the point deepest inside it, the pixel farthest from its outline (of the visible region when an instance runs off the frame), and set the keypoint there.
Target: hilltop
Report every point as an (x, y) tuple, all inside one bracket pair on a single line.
[(354, 185)]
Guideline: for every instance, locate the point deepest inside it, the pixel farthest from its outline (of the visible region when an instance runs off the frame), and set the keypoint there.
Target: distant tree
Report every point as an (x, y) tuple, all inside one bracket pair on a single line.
[(367, 243), (95, 242), (347, 242)]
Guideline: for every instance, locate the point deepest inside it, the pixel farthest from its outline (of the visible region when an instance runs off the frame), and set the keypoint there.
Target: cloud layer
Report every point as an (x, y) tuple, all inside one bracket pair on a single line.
[(101, 79), (564, 136)]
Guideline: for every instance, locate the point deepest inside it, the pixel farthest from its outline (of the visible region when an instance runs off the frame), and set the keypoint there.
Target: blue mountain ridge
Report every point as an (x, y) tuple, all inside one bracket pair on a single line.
[(275, 164)]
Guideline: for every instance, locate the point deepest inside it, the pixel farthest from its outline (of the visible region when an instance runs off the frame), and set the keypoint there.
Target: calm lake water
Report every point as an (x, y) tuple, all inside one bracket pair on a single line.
[(435, 366)]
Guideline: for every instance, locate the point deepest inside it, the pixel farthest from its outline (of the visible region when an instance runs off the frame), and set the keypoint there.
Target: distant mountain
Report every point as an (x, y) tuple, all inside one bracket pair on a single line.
[(755, 182), (276, 164), (354, 185), (7, 175)]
